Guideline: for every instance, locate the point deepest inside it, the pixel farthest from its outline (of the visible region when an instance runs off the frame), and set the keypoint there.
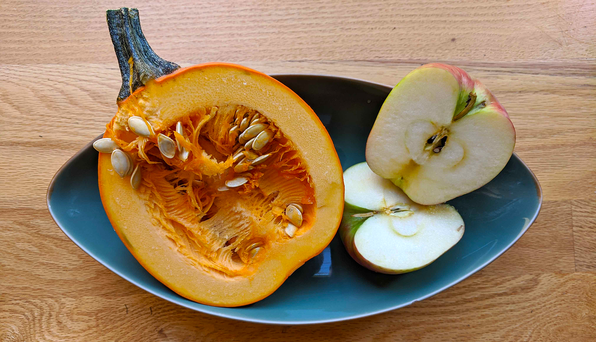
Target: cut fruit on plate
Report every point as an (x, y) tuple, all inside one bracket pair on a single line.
[(316, 293), (385, 231), (439, 135)]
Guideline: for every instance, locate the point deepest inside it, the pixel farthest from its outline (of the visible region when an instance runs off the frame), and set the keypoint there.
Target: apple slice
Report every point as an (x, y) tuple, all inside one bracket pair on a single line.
[(383, 230), (439, 135)]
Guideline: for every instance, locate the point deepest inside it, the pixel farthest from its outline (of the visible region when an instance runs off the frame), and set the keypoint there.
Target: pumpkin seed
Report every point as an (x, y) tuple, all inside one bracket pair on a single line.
[(252, 131), (223, 188), (236, 182), (136, 177), (244, 124), (259, 120), (183, 155), (238, 118), (250, 155), (260, 159), (183, 152), (179, 129), (140, 127), (131, 164), (242, 167), (254, 251), (262, 139), (233, 133), (254, 245), (291, 230), (121, 163), (251, 116), (248, 144), (255, 119), (105, 145), (237, 157), (294, 215), (297, 205), (197, 182), (166, 145)]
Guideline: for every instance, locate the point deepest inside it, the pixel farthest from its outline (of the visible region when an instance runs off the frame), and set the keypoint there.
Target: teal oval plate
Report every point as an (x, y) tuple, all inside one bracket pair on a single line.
[(330, 287)]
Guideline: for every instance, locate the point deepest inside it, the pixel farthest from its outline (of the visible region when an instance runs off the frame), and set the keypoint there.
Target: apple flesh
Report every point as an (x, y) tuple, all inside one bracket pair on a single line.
[(383, 230), (439, 135)]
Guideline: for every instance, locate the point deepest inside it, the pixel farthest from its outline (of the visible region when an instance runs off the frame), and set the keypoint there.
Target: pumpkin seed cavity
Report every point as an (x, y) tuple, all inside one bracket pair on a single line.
[(237, 187)]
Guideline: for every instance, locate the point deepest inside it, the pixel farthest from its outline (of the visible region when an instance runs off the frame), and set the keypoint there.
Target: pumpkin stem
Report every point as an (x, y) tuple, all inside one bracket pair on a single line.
[(138, 63)]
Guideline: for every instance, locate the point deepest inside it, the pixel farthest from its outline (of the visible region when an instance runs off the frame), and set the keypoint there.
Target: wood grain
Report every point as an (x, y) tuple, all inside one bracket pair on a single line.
[(540, 307), (59, 80), (189, 31), (584, 234)]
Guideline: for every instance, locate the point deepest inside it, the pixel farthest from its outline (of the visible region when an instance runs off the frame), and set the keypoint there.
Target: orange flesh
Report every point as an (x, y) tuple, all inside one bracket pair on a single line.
[(216, 227), (224, 248)]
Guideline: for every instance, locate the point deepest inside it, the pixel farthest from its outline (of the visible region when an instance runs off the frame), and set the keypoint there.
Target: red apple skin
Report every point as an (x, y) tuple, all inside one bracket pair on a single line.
[(468, 84)]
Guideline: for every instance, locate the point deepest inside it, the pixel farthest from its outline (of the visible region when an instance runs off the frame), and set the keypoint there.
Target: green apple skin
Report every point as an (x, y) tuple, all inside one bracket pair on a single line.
[(347, 231), (373, 196), (405, 174)]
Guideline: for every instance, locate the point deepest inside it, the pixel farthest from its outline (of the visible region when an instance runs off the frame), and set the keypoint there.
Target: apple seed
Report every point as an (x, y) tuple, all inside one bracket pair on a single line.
[(437, 141)]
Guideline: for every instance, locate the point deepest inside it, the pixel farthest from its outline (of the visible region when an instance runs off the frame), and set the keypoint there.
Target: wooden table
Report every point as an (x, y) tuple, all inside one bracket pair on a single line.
[(58, 84)]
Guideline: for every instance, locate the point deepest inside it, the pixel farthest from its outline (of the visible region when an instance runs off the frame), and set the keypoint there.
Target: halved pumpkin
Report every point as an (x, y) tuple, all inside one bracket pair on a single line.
[(236, 182)]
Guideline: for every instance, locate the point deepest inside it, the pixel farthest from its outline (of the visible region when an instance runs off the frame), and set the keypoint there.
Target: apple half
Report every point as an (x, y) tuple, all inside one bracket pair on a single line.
[(439, 135), (383, 230)]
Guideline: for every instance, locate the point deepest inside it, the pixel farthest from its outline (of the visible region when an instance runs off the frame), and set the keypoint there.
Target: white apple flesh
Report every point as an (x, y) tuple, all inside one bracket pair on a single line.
[(439, 135), (386, 232)]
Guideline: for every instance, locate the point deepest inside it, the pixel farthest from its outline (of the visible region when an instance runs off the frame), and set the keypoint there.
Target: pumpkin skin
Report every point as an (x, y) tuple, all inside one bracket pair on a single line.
[(171, 98)]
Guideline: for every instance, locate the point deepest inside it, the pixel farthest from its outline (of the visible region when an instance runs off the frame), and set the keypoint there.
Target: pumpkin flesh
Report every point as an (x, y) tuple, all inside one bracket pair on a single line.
[(224, 248)]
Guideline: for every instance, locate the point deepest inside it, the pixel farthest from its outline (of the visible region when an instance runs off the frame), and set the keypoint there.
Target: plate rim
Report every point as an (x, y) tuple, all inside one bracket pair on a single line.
[(527, 225)]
